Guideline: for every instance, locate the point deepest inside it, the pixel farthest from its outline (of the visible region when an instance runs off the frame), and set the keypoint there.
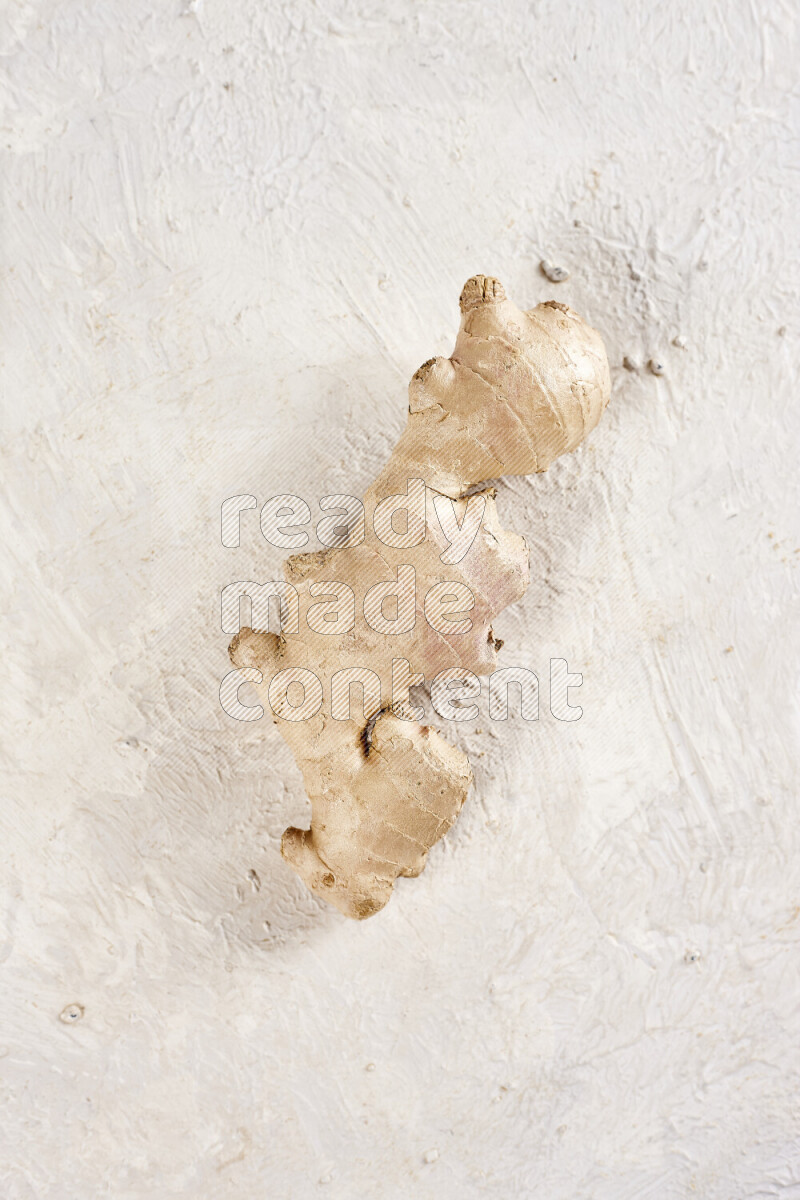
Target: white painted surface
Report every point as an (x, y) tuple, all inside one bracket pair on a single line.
[(232, 233)]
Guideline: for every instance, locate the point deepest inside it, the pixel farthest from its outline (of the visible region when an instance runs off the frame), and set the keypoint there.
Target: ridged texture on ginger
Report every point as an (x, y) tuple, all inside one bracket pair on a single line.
[(520, 389)]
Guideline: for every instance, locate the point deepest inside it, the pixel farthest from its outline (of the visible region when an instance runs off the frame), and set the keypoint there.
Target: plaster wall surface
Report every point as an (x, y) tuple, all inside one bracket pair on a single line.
[(232, 231)]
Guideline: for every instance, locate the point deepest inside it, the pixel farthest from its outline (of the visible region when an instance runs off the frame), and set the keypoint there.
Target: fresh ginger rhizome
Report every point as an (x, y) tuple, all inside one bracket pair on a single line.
[(520, 389)]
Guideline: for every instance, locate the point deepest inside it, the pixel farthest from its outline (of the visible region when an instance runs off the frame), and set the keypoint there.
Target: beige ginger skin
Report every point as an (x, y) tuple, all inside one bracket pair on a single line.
[(520, 389)]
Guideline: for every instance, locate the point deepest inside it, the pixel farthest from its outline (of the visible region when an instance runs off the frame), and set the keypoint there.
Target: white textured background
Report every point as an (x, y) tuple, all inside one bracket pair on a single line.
[(232, 231)]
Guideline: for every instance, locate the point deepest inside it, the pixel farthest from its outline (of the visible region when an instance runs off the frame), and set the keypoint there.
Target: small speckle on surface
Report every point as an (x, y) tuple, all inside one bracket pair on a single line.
[(691, 956), (552, 272), (370, 1067), (655, 367), (629, 363), (680, 341), (326, 1178), (71, 1014), (430, 1156)]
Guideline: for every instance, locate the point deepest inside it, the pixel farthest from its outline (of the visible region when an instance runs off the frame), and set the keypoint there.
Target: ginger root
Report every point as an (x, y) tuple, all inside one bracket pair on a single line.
[(520, 389)]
